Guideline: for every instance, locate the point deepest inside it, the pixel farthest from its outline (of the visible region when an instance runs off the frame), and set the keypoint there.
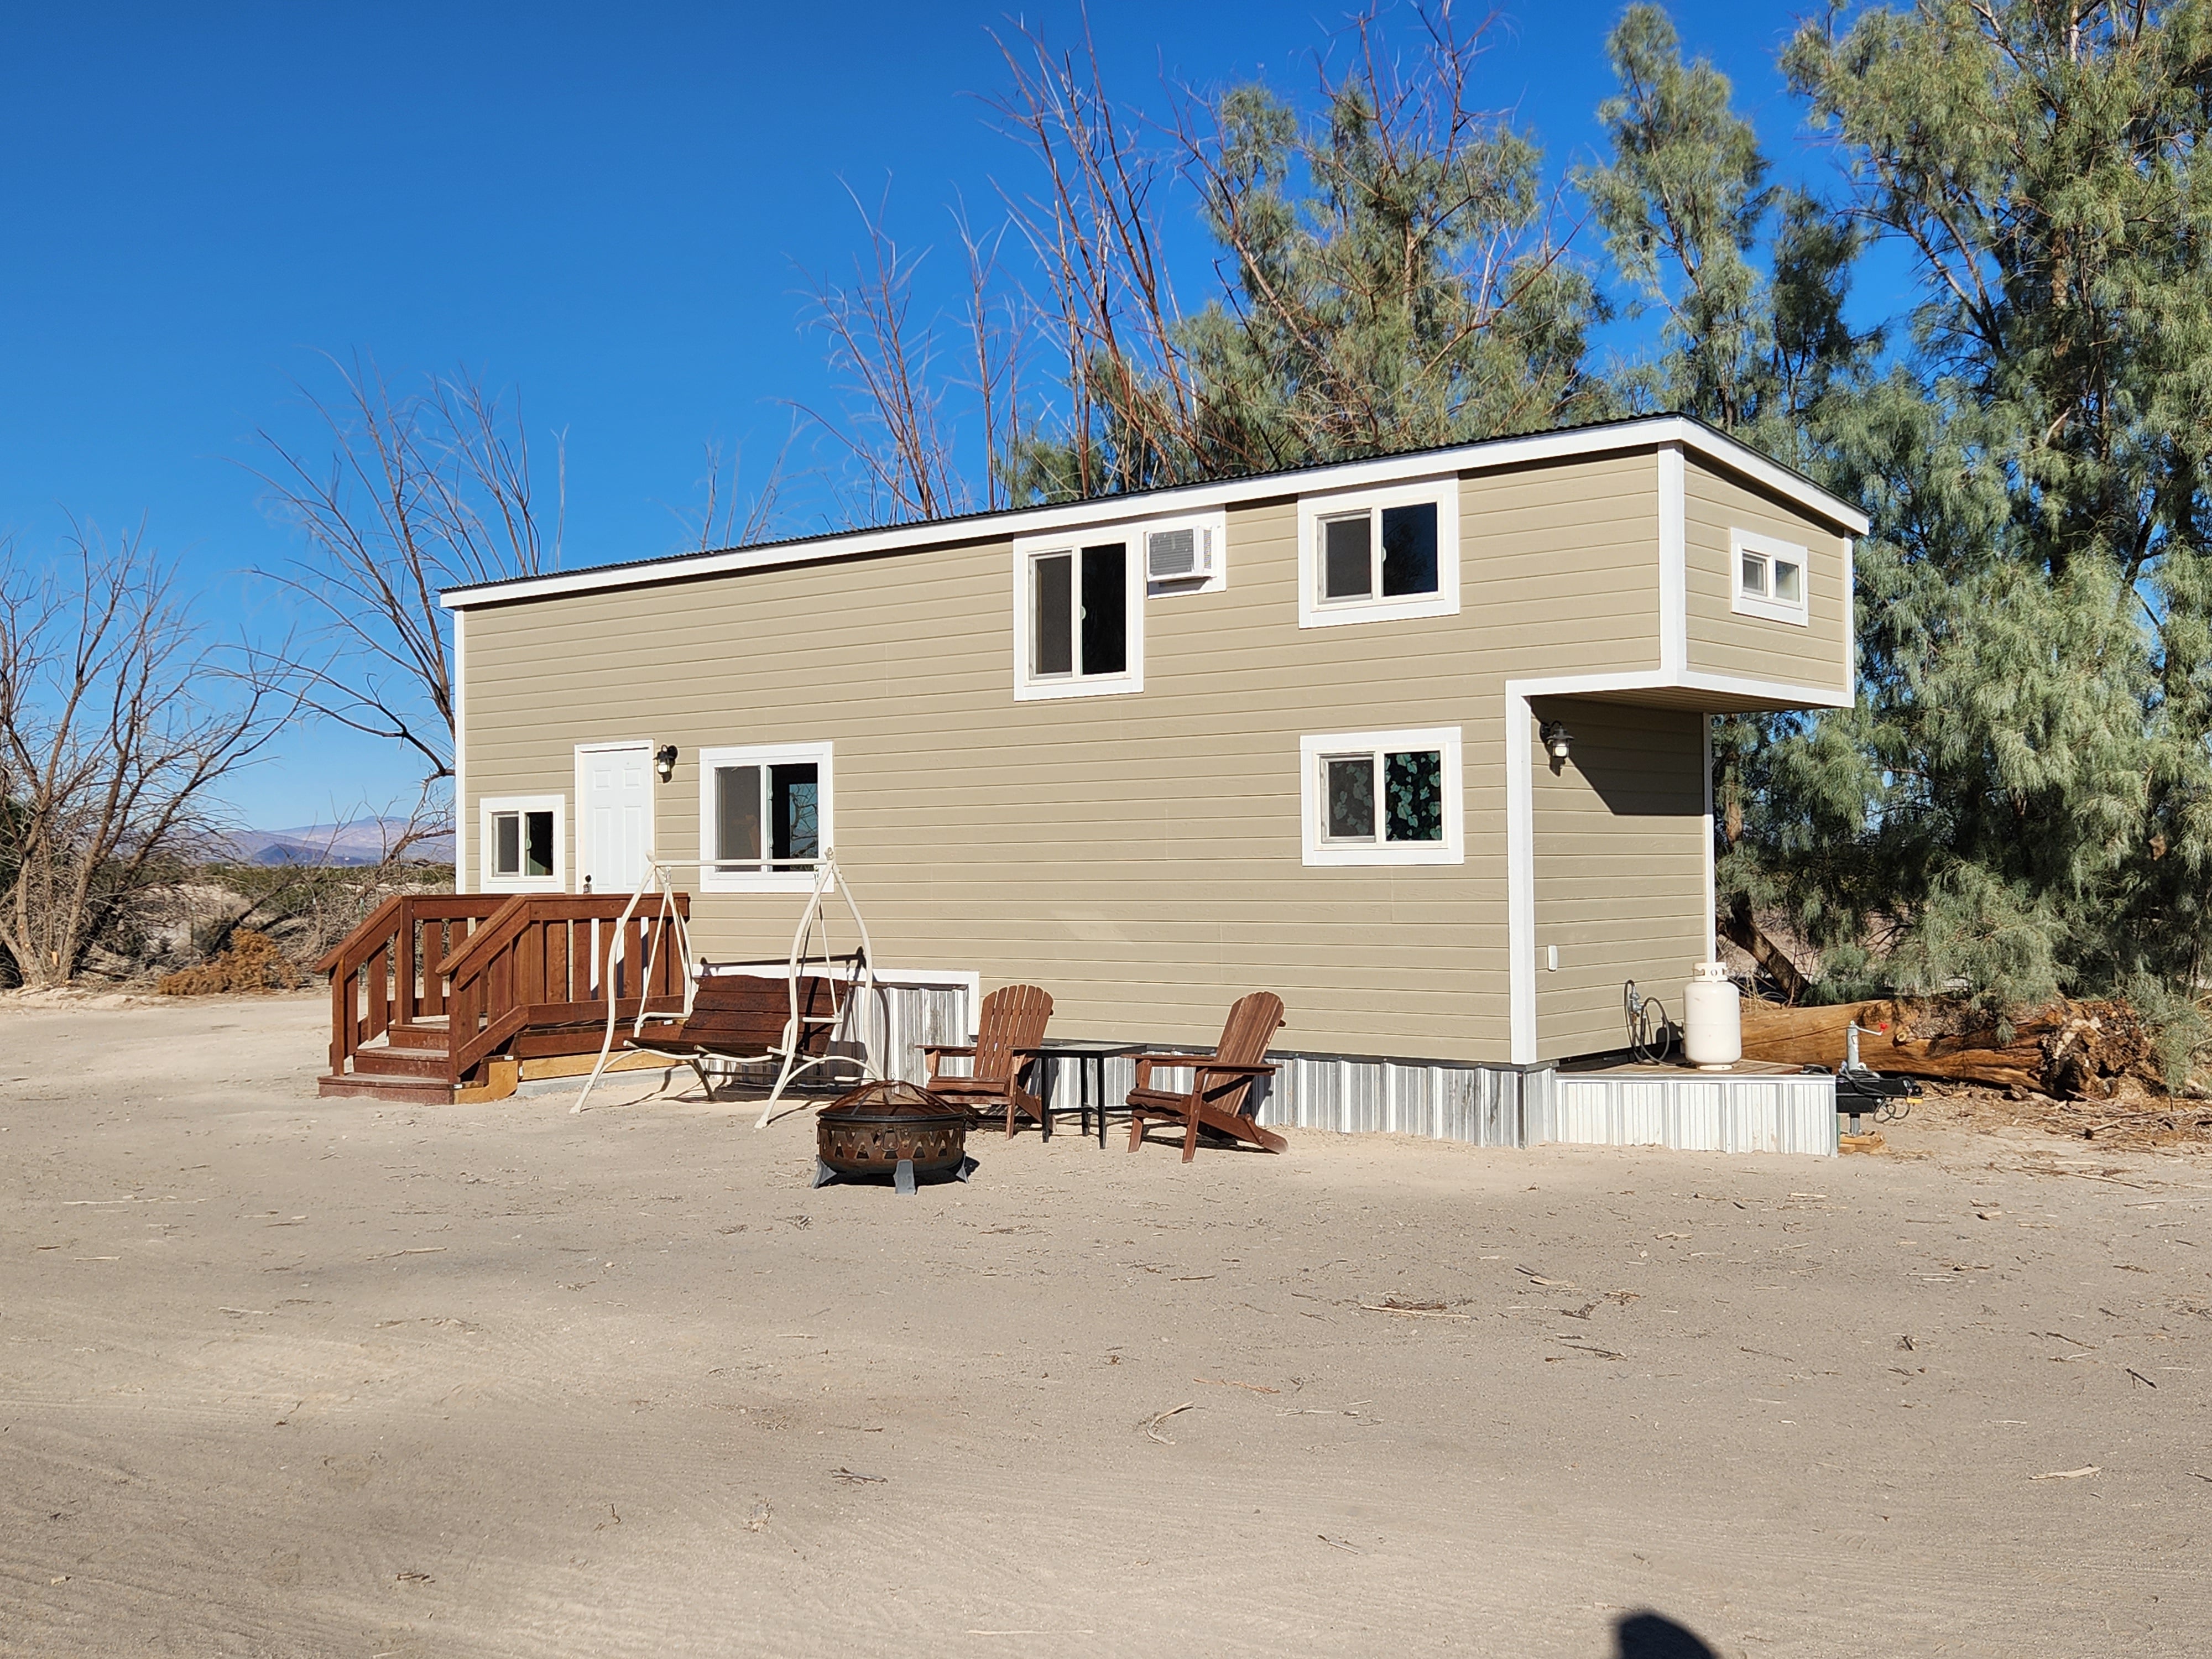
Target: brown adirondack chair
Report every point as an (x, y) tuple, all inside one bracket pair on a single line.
[(1221, 1092), (1008, 1029)]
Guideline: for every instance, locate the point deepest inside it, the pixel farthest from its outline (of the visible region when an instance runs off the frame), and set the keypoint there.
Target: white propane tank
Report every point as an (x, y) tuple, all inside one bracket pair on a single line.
[(1712, 1018)]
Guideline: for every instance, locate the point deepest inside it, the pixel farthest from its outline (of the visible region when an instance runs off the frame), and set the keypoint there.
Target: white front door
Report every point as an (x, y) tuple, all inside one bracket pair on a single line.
[(614, 816)]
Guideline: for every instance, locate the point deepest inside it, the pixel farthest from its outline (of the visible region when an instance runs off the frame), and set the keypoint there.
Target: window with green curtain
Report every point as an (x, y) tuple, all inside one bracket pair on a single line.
[(1414, 795)]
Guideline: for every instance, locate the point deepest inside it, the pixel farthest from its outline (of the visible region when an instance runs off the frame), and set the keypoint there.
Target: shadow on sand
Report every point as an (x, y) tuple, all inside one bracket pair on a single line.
[(1653, 1636)]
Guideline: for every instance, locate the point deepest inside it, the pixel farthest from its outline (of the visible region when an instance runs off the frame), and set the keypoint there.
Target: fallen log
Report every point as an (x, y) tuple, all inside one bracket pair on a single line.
[(2069, 1050)]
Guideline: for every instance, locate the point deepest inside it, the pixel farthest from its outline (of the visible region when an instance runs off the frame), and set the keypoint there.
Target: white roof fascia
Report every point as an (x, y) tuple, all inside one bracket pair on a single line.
[(1663, 430), (1488, 456), (1781, 480)]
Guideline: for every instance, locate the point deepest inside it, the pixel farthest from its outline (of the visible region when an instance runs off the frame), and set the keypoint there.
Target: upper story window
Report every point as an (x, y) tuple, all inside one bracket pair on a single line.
[(1370, 555), (1383, 797), (522, 843), (763, 817), (1078, 615), (1769, 577)]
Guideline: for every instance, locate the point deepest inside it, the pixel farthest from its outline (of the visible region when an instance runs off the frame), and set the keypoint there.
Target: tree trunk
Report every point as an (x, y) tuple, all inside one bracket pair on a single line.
[(1741, 929)]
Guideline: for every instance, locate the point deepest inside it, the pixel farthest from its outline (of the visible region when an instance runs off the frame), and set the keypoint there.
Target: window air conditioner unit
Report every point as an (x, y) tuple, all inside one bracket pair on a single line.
[(1181, 555)]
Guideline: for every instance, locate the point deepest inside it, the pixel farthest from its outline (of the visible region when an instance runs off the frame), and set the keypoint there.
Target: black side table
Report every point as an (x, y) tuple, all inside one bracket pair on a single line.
[(1089, 1060)]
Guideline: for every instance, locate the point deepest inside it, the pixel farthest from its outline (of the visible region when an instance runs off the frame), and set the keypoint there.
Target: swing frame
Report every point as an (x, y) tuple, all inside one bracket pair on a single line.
[(813, 926)]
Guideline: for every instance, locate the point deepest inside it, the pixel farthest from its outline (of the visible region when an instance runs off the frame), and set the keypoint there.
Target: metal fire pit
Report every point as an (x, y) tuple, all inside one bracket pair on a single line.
[(891, 1129)]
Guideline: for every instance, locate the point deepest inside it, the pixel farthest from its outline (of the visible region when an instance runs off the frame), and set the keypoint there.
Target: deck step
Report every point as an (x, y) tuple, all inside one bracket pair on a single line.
[(400, 1062), (417, 1037), (411, 1091)]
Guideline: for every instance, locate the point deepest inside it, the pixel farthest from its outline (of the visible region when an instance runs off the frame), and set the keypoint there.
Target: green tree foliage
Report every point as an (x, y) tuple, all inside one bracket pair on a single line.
[(2021, 802), (1684, 206), (1389, 279), (2038, 595), (1393, 286)]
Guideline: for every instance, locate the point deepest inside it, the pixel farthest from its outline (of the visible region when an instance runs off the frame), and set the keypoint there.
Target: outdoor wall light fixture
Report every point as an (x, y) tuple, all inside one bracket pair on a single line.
[(1558, 740), (664, 761)]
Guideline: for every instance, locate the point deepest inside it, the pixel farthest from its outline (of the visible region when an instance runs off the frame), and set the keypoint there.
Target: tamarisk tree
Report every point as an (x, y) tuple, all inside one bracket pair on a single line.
[(2027, 782), (2021, 802), (1386, 273)]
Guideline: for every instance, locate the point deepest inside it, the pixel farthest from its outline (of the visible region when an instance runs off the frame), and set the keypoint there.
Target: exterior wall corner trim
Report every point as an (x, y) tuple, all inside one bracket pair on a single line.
[(1674, 562)]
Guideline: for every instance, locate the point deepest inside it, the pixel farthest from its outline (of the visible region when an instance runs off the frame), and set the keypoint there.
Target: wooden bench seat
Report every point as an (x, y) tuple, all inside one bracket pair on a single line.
[(746, 1016)]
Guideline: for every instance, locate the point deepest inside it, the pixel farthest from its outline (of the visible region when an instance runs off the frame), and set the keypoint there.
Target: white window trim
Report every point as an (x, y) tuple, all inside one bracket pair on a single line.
[(1215, 526), (1312, 806), (1315, 612), (486, 881), (712, 880), (1132, 679), (1769, 548)]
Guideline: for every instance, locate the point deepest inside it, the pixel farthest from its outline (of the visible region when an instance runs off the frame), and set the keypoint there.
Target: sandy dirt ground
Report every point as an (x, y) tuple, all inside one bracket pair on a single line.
[(283, 1375)]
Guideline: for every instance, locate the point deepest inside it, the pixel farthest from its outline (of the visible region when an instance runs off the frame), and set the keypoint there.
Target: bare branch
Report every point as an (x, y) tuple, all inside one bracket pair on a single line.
[(117, 726), (420, 492), (717, 523)]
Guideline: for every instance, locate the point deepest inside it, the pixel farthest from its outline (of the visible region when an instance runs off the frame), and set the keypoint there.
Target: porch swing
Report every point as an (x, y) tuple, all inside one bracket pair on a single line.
[(723, 1024)]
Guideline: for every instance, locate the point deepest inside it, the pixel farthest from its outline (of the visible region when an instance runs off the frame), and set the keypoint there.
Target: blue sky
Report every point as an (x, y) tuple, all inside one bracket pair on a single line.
[(608, 207)]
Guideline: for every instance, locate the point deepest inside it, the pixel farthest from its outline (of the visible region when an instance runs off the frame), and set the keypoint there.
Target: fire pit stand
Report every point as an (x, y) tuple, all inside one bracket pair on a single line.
[(892, 1129)]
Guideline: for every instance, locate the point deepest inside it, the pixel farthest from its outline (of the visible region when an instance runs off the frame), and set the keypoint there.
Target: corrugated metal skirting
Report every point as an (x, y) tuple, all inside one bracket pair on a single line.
[(1688, 1113), (1481, 1105), (889, 1025), (901, 1016), (1441, 1102), (1475, 1103), (1487, 1106)]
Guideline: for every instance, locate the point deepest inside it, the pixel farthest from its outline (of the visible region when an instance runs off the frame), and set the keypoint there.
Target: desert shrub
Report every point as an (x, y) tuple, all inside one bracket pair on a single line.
[(251, 962)]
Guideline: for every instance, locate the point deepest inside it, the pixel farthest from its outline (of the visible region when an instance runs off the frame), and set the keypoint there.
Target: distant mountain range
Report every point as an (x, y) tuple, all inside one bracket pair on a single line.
[(365, 841)]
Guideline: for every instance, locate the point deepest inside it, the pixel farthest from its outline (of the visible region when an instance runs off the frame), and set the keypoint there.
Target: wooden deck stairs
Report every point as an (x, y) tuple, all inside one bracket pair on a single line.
[(444, 997)]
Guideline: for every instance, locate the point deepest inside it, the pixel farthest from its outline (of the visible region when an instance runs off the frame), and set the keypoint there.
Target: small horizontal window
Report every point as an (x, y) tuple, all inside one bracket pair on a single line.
[(1407, 541), (1373, 556), (1769, 577), (764, 817), (521, 850), (1383, 797), (1763, 578), (768, 817), (1393, 796)]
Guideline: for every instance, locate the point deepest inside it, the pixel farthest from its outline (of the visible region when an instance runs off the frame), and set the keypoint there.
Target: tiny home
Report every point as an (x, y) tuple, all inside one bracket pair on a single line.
[(1420, 742)]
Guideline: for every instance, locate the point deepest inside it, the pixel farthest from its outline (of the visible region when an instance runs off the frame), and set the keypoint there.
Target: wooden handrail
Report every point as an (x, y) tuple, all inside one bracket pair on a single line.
[(496, 930), (543, 960), (395, 966), (376, 924)]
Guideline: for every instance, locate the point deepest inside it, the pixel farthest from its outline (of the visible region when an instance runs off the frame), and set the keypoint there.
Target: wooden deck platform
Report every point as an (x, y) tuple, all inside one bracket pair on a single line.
[(459, 996)]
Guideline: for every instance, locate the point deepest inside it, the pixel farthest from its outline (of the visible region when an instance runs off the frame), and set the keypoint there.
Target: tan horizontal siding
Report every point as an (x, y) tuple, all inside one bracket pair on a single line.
[(1558, 566), (1620, 844), (1753, 647), (1140, 856)]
